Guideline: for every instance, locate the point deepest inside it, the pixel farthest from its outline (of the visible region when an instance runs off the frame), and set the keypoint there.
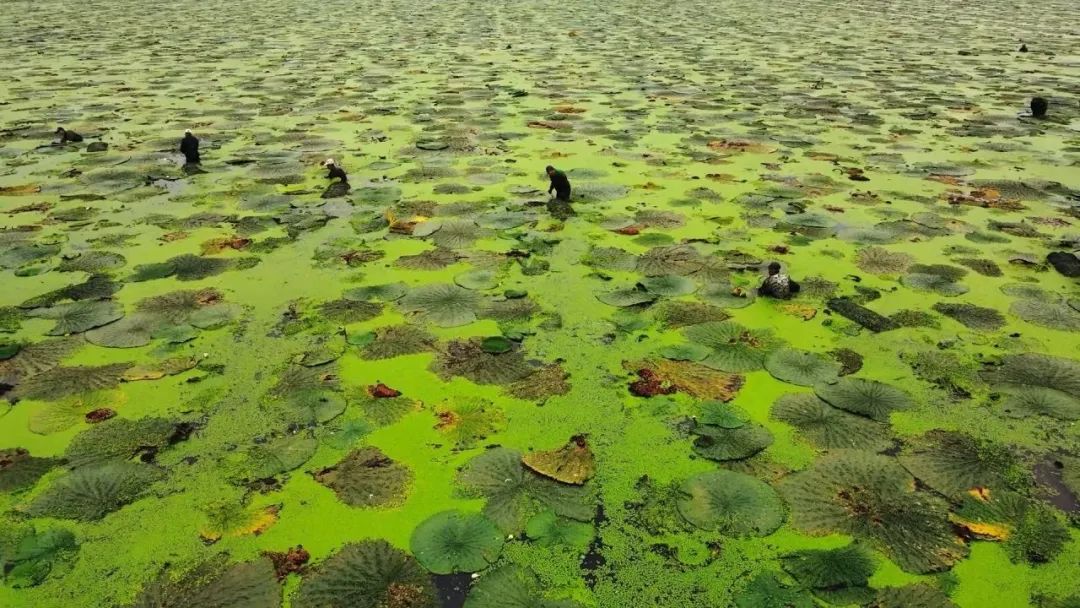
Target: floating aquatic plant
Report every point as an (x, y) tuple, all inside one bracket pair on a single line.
[(367, 478), (734, 348), (91, 493), (872, 497), (875, 400), (827, 427), (731, 503), (454, 541), (514, 493)]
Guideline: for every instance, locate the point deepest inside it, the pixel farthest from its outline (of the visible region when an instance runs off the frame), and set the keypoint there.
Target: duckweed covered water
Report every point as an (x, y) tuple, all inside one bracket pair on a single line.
[(237, 387)]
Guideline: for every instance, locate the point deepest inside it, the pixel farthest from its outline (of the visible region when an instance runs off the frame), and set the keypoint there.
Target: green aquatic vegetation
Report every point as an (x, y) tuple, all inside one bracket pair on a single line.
[(731, 503), (272, 457), (443, 305), (734, 348), (971, 316), (91, 493), (678, 260), (610, 258), (20, 470), (515, 494), (915, 318), (919, 595), (511, 587), (368, 574), (434, 259), (465, 422), (864, 175), (954, 463), (669, 285), (367, 478), (721, 444), (468, 359), (827, 427), (1022, 371), (454, 541), (950, 371), (129, 332), (1030, 530), (398, 340), (875, 400), (936, 283), (120, 439), (215, 585), (547, 381), (549, 530), (878, 260), (848, 566), (801, 367), (766, 591), (31, 555), (37, 358), (676, 314), (77, 317), (57, 416), (853, 311), (92, 262), (873, 498), (1051, 313), (60, 382), (97, 287)]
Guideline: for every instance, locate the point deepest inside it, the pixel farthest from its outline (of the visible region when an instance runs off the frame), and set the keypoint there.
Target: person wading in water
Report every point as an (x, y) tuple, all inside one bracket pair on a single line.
[(560, 185), (336, 172), (67, 136), (189, 147), (778, 285)]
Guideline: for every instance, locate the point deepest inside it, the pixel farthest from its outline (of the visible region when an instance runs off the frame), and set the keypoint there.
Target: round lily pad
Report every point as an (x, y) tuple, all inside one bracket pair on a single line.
[(875, 400), (455, 541), (731, 503), (801, 367), (478, 279)]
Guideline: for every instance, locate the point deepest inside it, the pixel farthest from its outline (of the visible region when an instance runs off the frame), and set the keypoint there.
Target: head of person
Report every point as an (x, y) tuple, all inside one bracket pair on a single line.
[(774, 268), (187, 133), (1039, 106), (60, 130), (549, 170), (328, 162)]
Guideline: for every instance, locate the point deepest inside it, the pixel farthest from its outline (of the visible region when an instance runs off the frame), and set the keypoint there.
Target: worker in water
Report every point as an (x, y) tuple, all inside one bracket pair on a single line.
[(778, 285), (66, 136), (189, 147), (336, 172), (1039, 106), (560, 185)]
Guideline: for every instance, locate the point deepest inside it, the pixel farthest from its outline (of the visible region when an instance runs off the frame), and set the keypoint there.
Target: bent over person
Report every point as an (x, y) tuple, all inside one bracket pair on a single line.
[(778, 285), (559, 183)]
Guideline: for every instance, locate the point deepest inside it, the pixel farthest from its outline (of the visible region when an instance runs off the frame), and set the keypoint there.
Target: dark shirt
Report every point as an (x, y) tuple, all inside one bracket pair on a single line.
[(337, 172), (560, 184), (189, 147), (70, 136), (778, 286)]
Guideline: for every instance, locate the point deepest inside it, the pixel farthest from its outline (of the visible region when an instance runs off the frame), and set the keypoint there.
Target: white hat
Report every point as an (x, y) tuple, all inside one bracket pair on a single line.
[(187, 131), (328, 162)]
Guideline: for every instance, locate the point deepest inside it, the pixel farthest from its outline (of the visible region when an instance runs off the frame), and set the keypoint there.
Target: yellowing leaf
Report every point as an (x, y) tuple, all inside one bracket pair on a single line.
[(573, 463)]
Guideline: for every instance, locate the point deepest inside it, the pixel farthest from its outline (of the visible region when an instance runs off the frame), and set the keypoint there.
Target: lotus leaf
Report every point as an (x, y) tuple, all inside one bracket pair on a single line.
[(731, 503), (454, 541)]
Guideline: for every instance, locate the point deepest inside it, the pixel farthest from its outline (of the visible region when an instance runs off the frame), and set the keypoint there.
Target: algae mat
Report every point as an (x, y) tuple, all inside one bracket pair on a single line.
[(241, 387)]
